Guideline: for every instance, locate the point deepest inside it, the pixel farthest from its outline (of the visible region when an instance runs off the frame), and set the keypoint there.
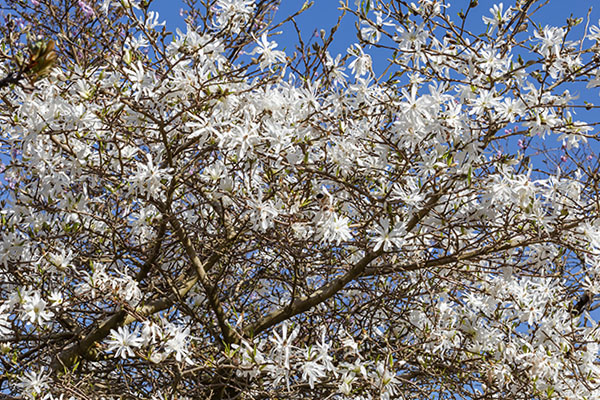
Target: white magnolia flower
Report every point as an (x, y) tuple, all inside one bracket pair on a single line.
[(33, 383), (499, 16), (312, 371), (178, 343), (148, 179), (335, 229), (362, 63), (284, 344), (34, 308), (123, 342), (268, 56), (233, 14), (56, 297), (551, 39), (5, 326), (389, 239), (151, 333)]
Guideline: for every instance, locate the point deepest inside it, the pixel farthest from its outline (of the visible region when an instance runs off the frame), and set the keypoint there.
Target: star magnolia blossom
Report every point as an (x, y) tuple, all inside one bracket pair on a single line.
[(203, 216)]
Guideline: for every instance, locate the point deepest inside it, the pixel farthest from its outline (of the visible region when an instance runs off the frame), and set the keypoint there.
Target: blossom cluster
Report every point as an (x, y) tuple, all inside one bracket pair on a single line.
[(204, 214)]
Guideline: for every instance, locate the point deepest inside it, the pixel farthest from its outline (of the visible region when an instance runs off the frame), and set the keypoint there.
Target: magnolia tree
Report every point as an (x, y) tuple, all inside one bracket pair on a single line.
[(205, 215)]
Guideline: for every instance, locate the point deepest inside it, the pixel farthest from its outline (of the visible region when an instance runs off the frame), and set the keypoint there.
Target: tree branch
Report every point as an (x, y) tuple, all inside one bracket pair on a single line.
[(211, 292), (68, 357), (330, 289)]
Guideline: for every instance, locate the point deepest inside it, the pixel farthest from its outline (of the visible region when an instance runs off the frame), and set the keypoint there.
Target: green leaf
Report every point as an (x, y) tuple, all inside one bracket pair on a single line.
[(470, 176)]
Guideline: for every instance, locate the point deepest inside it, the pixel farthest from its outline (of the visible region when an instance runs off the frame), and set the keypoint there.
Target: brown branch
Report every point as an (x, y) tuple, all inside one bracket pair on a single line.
[(452, 258), (69, 356), (461, 255), (10, 79), (330, 289), (211, 292), (165, 302)]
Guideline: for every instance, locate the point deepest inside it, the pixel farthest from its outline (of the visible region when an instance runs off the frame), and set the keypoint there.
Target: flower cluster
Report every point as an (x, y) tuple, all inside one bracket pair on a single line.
[(202, 215)]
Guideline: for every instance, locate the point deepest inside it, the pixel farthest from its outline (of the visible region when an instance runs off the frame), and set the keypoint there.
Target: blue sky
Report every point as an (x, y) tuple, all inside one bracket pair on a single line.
[(324, 14)]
